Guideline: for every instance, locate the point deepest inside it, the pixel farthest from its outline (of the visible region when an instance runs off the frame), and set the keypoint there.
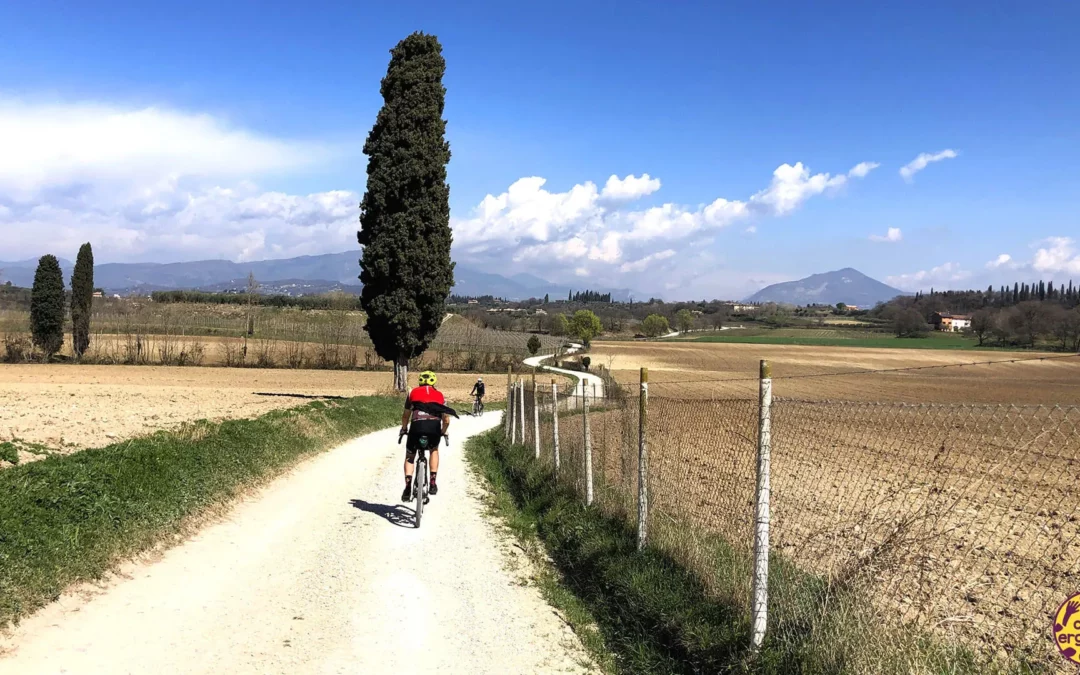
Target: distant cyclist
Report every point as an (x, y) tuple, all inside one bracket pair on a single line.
[(478, 392), (426, 415)]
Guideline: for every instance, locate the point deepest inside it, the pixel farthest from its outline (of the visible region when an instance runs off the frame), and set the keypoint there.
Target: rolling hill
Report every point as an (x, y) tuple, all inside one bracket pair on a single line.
[(321, 272), (848, 286)]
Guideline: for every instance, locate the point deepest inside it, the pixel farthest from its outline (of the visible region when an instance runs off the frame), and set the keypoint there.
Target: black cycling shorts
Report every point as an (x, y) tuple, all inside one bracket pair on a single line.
[(430, 429)]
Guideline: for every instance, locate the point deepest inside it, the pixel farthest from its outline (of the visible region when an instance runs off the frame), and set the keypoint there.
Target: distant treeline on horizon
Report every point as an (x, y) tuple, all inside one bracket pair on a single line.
[(323, 301)]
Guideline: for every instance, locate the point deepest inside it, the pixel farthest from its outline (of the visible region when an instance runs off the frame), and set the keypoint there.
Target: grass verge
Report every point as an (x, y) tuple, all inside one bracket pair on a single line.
[(67, 519), (648, 612)]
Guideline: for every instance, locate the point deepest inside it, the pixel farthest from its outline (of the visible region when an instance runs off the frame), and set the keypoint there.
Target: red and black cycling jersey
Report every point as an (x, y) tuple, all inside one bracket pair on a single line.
[(421, 398)]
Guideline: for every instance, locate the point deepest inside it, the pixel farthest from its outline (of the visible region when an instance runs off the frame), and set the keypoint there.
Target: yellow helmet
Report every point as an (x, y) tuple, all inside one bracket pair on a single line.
[(427, 378)]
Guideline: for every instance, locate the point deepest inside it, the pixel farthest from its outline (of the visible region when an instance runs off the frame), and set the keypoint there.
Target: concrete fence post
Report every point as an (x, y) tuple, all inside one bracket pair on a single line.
[(643, 462), (508, 416), (555, 422), (521, 408), (587, 438), (511, 411), (536, 417), (759, 621)]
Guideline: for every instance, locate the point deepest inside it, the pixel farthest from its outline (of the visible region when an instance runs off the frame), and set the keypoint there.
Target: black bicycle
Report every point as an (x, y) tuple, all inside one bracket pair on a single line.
[(421, 480), (478, 407)]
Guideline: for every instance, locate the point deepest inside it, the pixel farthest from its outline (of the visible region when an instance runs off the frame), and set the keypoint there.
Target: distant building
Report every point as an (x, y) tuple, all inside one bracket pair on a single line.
[(99, 294), (951, 323), (740, 308)]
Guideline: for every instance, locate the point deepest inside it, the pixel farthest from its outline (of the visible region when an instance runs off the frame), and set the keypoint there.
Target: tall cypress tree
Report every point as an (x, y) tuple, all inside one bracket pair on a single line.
[(47, 306), (405, 215), (82, 299)]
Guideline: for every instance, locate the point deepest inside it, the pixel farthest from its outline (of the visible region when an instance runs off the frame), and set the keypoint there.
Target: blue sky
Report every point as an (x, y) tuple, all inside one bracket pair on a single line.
[(197, 130)]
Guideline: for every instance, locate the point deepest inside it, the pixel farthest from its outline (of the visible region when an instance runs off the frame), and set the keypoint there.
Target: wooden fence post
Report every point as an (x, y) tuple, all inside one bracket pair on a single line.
[(555, 421), (643, 462), (761, 517)]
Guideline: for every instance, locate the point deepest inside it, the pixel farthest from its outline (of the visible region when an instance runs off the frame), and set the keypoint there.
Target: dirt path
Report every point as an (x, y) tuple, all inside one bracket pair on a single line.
[(322, 572)]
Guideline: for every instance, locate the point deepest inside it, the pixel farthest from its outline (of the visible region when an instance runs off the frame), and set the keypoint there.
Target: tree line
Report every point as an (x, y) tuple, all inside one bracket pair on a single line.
[(1021, 315), (964, 302), (324, 301), (587, 296)]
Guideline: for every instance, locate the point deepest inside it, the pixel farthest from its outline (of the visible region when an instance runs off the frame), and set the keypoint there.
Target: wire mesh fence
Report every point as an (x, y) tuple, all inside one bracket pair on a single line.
[(904, 537)]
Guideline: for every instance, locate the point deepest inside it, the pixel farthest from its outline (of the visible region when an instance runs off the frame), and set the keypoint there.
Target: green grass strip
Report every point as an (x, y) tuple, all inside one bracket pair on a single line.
[(71, 518), (648, 613)]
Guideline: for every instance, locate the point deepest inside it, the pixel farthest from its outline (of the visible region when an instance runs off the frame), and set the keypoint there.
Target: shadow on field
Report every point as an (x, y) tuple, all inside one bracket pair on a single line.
[(399, 515), (310, 397)]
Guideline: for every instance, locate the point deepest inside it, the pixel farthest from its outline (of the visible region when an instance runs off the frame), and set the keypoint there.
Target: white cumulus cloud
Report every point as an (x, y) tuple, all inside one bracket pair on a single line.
[(891, 236), (629, 188), (151, 182), (1057, 254), (924, 159), (942, 274), (596, 230), (1004, 260), (793, 185)]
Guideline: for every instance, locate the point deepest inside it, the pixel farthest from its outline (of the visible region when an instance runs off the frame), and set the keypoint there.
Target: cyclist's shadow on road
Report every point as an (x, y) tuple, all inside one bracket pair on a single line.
[(399, 515)]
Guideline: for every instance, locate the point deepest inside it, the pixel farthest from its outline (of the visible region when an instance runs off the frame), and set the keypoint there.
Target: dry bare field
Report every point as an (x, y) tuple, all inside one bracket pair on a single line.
[(946, 492), (67, 408), (1051, 382)]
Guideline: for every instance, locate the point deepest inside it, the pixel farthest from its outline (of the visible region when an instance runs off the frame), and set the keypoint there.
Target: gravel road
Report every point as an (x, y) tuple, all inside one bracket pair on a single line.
[(321, 572)]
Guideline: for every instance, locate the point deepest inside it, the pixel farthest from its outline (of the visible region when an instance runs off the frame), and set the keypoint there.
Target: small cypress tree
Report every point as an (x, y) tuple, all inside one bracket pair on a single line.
[(82, 299), (405, 215), (47, 307)]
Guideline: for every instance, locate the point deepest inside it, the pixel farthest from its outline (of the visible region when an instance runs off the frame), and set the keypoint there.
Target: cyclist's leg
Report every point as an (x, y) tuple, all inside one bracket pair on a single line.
[(433, 462)]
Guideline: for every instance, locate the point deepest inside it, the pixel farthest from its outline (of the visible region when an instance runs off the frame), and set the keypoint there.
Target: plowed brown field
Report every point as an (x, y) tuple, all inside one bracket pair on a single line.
[(68, 408), (711, 370)]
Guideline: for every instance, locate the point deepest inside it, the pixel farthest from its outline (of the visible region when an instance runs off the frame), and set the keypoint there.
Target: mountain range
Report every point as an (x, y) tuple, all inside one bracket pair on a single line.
[(304, 274), (848, 286)]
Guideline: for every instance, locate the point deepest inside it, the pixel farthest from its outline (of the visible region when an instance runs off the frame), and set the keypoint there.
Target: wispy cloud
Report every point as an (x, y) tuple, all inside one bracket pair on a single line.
[(891, 236), (862, 168), (942, 274), (924, 159)]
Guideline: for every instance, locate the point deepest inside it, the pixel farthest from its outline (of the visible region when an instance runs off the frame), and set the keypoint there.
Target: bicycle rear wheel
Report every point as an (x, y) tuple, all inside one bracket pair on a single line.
[(421, 478)]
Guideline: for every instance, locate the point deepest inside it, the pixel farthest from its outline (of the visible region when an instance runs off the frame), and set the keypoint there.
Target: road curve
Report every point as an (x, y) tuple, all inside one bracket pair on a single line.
[(587, 383), (320, 572)]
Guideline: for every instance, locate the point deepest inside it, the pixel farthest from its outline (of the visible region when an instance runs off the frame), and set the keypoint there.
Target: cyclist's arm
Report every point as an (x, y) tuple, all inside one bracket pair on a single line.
[(406, 415), (445, 424)]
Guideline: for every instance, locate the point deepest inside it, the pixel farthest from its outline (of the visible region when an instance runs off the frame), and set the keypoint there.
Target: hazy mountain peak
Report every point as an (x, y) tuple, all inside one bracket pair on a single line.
[(848, 285)]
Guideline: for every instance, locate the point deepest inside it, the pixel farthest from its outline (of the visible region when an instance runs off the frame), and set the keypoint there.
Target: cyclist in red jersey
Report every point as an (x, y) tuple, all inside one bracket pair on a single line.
[(422, 418)]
